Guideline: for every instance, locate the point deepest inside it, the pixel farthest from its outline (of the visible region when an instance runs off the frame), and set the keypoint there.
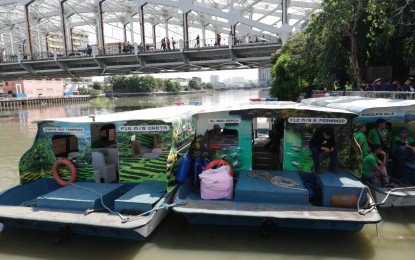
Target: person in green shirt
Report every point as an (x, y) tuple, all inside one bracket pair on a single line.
[(374, 170), (380, 135), (360, 137), (403, 146)]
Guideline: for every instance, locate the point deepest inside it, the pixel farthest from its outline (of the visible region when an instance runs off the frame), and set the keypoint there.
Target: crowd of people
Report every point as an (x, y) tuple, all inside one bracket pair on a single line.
[(377, 85), (378, 145)]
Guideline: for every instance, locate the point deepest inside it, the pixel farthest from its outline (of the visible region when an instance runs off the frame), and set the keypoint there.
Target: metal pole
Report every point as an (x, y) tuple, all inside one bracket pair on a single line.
[(132, 29), (125, 32), (38, 36), (29, 32), (143, 38), (154, 35), (101, 22), (63, 19), (11, 41)]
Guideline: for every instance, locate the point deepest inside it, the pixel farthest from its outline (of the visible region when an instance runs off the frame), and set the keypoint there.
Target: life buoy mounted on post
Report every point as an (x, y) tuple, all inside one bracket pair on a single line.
[(218, 163), (55, 171)]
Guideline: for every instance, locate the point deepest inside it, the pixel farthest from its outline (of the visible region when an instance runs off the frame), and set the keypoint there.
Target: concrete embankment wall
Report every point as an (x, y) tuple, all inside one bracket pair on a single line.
[(19, 103)]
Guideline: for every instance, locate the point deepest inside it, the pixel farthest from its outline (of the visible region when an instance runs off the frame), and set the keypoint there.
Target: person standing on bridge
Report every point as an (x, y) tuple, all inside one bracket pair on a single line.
[(197, 41), (173, 42), (218, 38), (168, 43), (119, 47)]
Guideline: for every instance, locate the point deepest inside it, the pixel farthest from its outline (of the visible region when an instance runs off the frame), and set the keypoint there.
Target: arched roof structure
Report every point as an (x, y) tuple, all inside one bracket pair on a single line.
[(27, 22)]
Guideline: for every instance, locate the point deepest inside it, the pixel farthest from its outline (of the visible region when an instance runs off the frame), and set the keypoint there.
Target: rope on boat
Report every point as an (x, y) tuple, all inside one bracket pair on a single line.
[(162, 206), (275, 180), (123, 218), (102, 202)]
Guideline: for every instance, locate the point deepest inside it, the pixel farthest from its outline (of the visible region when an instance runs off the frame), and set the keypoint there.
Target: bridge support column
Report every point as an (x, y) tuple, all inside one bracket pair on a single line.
[(63, 23), (132, 29), (11, 41), (101, 26), (186, 30), (124, 32), (143, 37), (154, 35), (29, 31), (285, 28)]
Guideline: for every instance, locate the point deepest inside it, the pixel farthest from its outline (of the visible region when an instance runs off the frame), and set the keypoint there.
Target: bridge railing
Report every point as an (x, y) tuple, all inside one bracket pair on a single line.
[(113, 49), (370, 94)]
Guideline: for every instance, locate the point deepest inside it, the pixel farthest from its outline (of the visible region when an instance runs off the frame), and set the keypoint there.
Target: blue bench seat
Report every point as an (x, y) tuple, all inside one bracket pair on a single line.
[(142, 197), (81, 198), (250, 189)]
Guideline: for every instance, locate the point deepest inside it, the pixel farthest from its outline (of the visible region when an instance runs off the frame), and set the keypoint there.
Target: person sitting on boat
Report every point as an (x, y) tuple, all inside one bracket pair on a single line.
[(323, 141), (374, 170), (360, 136), (380, 135), (403, 146)]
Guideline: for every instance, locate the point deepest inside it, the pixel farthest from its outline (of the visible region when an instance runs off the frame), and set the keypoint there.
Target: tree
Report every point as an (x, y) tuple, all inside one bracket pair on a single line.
[(193, 84), (97, 85), (293, 70), (77, 80)]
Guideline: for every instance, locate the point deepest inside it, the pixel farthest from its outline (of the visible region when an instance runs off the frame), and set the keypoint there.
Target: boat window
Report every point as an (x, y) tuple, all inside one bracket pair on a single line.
[(103, 136), (222, 137), (62, 145), (146, 146)]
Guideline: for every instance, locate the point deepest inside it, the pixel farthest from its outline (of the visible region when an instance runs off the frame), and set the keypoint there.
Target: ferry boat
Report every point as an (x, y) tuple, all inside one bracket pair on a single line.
[(243, 175), (399, 113), (104, 175)]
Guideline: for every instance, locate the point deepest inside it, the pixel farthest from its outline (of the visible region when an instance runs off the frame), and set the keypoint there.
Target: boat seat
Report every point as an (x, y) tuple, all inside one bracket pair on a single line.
[(103, 171)]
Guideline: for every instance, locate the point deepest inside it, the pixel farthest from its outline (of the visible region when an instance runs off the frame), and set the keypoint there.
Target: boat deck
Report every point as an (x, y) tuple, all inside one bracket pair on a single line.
[(279, 203), (97, 219), (232, 208)]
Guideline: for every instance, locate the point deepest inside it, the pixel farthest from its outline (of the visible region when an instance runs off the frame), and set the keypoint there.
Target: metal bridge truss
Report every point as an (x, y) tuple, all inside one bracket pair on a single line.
[(250, 30)]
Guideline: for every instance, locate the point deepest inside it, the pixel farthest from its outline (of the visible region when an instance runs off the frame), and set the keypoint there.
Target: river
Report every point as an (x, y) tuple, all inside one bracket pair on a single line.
[(393, 238)]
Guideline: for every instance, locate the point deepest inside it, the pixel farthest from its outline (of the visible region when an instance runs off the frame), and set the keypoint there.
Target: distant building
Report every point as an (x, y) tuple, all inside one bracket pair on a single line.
[(197, 79), (34, 88), (182, 81), (74, 86), (264, 77), (78, 41), (214, 79)]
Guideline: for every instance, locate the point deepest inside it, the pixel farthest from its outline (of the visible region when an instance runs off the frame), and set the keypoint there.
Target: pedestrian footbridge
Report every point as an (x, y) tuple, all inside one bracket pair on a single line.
[(80, 64)]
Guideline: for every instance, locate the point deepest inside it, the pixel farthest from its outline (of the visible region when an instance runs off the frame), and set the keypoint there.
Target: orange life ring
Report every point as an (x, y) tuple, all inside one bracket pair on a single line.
[(217, 163), (55, 171)]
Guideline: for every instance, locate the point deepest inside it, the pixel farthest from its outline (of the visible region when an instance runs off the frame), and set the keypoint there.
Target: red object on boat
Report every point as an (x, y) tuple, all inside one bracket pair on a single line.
[(255, 99), (179, 103), (319, 95)]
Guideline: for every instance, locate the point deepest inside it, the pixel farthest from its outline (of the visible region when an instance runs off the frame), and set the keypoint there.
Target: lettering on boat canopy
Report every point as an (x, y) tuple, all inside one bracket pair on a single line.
[(144, 128), (225, 120), (62, 129), (317, 120), (383, 114)]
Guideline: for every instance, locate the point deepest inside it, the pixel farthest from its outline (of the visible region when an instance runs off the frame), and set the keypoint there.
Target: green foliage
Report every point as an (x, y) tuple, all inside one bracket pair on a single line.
[(193, 84), (346, 36), (292, 70), (102, 102)]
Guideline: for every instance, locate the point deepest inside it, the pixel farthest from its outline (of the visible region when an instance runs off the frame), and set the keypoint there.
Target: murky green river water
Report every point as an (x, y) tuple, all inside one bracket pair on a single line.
[(174, 238)]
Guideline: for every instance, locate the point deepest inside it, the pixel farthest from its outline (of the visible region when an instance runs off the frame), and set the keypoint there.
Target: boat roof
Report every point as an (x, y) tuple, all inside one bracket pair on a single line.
[(173, 113), (166, 114), (278, 105), (357, 104)]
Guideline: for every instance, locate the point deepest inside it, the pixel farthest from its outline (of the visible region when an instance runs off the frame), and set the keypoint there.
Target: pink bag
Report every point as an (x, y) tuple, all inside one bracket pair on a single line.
[(216, 184)]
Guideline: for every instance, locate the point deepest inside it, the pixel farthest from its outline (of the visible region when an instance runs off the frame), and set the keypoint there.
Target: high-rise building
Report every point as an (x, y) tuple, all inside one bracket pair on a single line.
[(214, 78), (264, 77)]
